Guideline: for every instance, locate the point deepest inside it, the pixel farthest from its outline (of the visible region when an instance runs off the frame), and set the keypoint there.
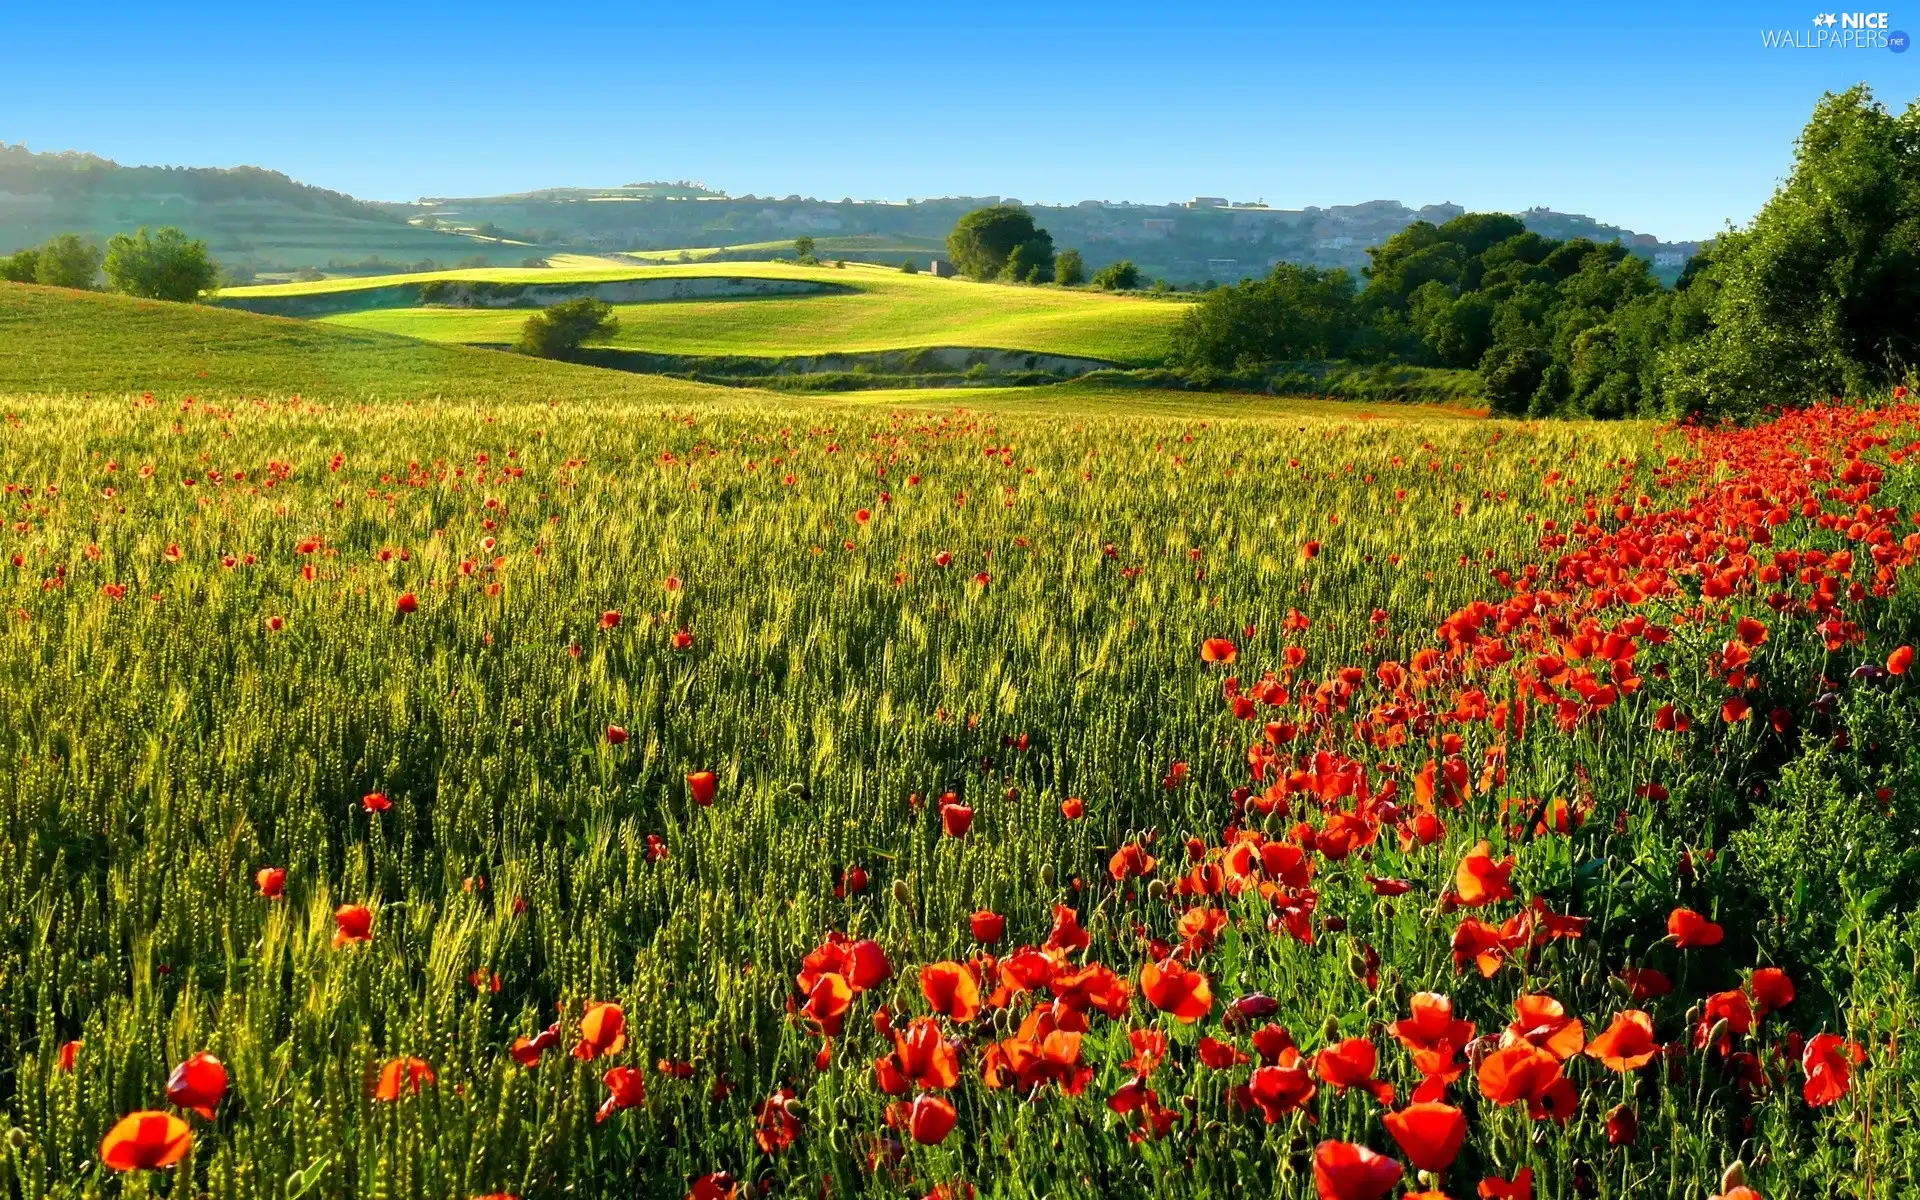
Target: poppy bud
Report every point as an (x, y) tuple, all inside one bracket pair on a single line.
[(16, 1137), (1047, 876), (1714, 1035), (1620, 987), (1157, 890), (900, 893), (1735, 1176), (296, 1183), (797, 790), (1356, 965), (1330, 1028), (796, 1110)]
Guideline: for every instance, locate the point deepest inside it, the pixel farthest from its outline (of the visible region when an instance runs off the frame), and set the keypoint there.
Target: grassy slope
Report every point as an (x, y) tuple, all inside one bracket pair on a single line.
[(56, 341), (863, 244), (887, 311)]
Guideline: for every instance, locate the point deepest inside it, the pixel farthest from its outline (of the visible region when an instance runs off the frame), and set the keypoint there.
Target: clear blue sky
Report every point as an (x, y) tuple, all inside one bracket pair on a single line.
[(1668, 118)]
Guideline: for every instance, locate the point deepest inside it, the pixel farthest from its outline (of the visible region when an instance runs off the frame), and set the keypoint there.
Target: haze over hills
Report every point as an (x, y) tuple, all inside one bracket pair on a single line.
[(262, 223)]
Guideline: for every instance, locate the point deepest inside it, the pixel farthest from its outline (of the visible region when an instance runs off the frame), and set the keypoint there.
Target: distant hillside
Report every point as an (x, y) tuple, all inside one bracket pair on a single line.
[(253, 220)]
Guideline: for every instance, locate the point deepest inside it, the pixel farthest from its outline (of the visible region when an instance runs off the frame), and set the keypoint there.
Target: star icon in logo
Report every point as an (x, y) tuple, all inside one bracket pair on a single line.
[(1827, 19)]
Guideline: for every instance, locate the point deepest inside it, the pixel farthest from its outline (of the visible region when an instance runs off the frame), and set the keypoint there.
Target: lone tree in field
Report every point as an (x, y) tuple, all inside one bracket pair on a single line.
[(1118, 277), (989, 243), (558, 331), (165, 265), (67, 262), (1069, 270), (803, 249)]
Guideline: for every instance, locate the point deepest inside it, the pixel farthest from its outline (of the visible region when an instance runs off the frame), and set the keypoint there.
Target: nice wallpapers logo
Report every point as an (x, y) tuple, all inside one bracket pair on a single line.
[(1839, 31)]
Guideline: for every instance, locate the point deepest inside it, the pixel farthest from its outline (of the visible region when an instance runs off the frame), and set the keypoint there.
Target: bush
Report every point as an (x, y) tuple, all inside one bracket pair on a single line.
[(984, 239), (166, 265), (22, 266), (67, 262), (909, 267), (1122, 276), (558, 331), (1070, 270), (1031, 262)]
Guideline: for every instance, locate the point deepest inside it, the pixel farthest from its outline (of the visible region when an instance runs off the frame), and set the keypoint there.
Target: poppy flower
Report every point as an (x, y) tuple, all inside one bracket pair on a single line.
[(352, 923), (1184, 994), (610, 619), (1218, 650), (407, 604), (714, 1185), (626, 1088), (775, 1125), (951, 989), (956, 819), (1544, 1022), (827, 1002), (1689, 929), (921, 1057), (1627, 1044), (1523, 1071), (1520, 1187), (145, 1141), (987, 927), (1310, 550), (272, 882), (375, 802), (1220, 1056), (1130, 861), (702, 786), (603, 1031), (1433, 1036), (199, 1084), (69, 1055), (930, 1119), (1430, 1134), (1351, 1064), (1280, 1088), (527, 1050), (1623, 1126), (616, 734), (682, 639), (1772, 989), (1828, 1061), (1480, 880), (402, 1073), (1900, 661), (1073, 808), (1344, 1171), (1735, 709)]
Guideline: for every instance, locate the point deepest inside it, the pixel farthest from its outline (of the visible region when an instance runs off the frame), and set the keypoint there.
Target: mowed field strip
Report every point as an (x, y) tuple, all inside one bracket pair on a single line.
[(879, 309)]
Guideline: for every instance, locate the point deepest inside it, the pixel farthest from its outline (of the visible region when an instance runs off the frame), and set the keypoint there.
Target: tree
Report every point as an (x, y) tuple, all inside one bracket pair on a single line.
[(803, 248), (559, 330), (1122, 276), (22, 266), (1031, 261), (1069, 269), (909, 267), (1295, 314), (164, 265), (984, 239), (67, 262)]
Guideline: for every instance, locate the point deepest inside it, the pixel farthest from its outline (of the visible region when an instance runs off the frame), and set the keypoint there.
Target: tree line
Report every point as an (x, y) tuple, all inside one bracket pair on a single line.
[(1819, 296), (1003, 243), (163, 264)]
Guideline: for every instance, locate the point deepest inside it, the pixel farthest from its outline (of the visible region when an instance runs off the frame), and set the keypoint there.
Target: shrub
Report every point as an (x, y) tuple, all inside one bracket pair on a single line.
[(1069, 270), (1122, 276), (558, 331), (67, 262), (165, 265)]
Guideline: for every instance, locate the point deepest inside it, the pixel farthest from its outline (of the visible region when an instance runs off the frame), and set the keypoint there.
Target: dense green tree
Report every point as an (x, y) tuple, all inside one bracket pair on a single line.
[(1294, 314), (1122, 276), (163, 265), (1069, 269), (1031, 261), (67, 262), (559, 330), (22, 266), (803, 248), (984, 239)]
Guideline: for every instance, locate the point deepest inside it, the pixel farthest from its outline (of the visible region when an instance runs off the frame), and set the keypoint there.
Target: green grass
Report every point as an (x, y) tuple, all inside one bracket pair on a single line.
[(867, 247), (885, 310)]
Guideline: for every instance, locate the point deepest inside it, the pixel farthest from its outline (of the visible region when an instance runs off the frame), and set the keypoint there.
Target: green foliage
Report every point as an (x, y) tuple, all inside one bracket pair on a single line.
[(22, 266), (1295, 313), (803, 249), (1069, 269), (1031, 261), (909, 267), (164, 265), (985, 239), (1122, 276), (558, 330), (68, 262)]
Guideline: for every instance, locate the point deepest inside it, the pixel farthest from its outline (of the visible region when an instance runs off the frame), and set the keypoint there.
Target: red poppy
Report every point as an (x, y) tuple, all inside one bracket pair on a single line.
[(1280, 1088), (1351, 1064), (1344, 1171), (1073, 808), (828, 999), (145, 1141), (956, 819), (1544, 1022), (1736, 708), (1184, 994), (987, 927), (1900, 661), (69, 1055), (1623, 1126), (1220, 1056), (702, 786), (1772, 990), (199, 1084), (1689, 929), (1520, 1187), (1430, 1133), (603, 1031), (402, 1073), (1311, 550), (272, 882), (375, 802), (407, 603), (921, 1057), (352, 923), (626, 1088), (1434, 1037), (951, 989), (1627, 1044), (1828, 1061), (1218, 650), (610, 619), (1523, 1071), (1480, 880), (930, 1119), (683, 639), (714, 1185), (1129, 861)]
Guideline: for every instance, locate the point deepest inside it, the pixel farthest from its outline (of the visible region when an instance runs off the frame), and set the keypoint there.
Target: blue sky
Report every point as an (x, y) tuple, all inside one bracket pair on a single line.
[(1668, 118)]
